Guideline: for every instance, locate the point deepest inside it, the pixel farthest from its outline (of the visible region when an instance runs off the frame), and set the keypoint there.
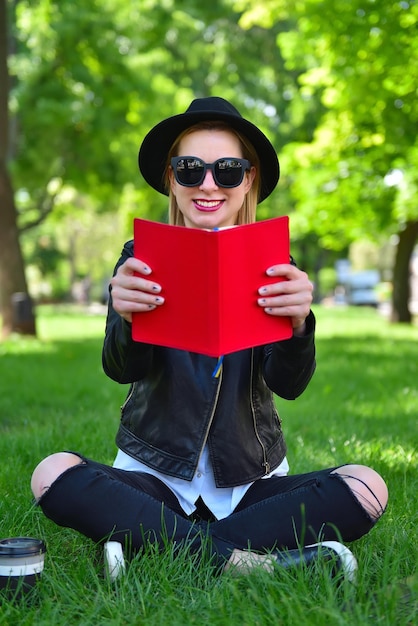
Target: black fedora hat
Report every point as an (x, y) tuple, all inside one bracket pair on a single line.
[(154, 150)]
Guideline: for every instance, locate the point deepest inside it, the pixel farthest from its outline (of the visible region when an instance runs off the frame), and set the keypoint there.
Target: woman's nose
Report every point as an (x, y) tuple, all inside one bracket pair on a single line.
[(208, 182)]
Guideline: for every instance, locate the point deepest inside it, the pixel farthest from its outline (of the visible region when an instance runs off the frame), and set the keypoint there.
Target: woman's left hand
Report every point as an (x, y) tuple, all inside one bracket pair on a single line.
[(291, 297)]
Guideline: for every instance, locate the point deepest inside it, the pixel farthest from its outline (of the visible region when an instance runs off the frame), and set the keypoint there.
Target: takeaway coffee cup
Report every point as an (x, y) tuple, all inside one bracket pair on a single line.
[(21, 564)]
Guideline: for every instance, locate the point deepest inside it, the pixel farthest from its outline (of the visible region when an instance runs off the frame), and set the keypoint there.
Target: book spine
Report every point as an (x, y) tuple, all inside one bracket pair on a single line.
[(214, 282)]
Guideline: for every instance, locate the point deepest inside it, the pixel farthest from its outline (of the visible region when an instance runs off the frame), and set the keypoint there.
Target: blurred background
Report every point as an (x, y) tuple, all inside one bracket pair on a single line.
[(332, 83)]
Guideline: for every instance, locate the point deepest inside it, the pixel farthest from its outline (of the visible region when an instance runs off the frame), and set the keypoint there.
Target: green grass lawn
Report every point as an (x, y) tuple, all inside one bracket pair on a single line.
[(361, 406)]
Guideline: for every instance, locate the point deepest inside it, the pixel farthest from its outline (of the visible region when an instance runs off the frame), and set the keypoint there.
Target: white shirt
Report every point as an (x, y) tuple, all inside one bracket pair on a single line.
[(221, 501)]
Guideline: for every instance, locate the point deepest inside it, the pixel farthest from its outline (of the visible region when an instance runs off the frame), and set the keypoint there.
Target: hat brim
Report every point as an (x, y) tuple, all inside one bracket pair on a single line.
[(152, 157)]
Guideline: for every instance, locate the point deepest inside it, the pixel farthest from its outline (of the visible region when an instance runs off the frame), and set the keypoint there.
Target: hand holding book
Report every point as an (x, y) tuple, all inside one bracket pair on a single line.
[(133, 290), (291, 297)]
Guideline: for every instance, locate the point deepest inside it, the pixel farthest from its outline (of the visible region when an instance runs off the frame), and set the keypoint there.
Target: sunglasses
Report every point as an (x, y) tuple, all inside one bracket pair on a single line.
[(228, 172)]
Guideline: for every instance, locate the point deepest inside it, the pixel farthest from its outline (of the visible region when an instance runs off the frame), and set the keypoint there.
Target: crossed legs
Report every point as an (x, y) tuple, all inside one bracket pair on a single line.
[(352, 497)]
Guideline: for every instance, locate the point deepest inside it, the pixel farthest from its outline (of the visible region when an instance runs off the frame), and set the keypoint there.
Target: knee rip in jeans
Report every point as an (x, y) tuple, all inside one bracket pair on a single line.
[(370, 503), (45, 488)]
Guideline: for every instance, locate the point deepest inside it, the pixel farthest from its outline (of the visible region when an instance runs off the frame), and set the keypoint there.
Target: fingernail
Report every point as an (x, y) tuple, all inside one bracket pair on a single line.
[(156, 288), (262, 290)]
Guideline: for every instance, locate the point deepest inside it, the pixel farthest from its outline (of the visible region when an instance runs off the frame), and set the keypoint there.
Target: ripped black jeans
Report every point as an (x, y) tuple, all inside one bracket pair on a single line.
[(104, 502)]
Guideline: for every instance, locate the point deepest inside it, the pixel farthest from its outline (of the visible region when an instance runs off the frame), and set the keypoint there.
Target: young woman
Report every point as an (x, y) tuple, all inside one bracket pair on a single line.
[(202, 459)]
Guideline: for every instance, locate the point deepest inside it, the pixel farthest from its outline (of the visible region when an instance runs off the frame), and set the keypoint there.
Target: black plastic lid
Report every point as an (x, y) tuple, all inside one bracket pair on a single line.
[(21, 546)]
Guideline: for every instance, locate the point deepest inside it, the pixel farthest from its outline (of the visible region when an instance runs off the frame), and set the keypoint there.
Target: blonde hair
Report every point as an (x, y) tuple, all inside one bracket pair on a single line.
[(247, 212)]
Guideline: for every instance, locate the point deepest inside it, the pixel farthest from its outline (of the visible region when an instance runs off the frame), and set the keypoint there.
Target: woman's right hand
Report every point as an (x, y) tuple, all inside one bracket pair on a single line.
[(133, 293)]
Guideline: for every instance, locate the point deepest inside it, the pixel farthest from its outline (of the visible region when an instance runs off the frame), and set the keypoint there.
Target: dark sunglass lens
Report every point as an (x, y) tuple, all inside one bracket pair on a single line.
[(229, 172), (189, 171)]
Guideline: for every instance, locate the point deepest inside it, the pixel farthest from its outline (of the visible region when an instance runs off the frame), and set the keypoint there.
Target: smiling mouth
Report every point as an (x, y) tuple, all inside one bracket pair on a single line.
[(208, 205)]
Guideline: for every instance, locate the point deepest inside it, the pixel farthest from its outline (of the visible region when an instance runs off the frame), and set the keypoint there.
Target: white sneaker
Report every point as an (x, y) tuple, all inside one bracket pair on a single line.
[(113, 560), (343, 559), (346, 559)]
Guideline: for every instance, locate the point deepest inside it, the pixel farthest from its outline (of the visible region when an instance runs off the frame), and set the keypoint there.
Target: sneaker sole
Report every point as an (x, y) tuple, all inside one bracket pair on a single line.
[(347, 558)]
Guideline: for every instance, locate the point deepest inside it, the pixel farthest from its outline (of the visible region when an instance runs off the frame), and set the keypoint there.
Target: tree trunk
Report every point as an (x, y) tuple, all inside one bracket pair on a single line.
[(12, 269), (401, 274)]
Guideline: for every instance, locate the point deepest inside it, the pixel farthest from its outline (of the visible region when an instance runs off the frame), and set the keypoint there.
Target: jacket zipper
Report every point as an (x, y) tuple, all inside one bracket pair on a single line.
[(211, 415), (128, 397), (265, 463)]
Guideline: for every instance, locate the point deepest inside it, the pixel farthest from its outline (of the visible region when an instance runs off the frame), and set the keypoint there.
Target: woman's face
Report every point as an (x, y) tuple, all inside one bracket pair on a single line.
[(207, 205)]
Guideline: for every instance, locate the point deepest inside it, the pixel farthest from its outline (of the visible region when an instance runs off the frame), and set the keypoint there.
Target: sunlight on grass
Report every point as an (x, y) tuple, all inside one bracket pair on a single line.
[(70, 322), (19, 345), (352, 321), (393, 455)]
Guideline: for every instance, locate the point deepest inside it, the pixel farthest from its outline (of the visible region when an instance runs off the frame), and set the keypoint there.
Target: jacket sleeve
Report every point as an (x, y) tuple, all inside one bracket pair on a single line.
[(123, 359), (289, 365)]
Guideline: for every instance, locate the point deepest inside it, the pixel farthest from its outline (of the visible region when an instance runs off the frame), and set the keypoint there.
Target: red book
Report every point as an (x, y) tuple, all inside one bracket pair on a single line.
[(210, 281)]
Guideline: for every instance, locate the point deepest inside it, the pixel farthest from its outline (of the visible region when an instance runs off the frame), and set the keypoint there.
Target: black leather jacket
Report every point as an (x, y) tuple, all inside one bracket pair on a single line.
[(175, 406)]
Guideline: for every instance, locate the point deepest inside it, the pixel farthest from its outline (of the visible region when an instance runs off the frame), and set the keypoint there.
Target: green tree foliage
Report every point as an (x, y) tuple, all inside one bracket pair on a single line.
[(331, 82), (72, 97), (92, 79), (358, 176)]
